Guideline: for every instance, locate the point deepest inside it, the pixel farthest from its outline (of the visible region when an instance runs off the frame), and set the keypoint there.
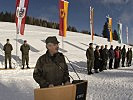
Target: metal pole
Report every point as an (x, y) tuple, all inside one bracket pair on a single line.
[(17, 48), (62, 42)]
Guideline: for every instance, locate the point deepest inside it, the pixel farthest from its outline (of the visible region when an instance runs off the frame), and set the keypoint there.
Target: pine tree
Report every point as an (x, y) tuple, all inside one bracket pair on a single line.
[(105, 32)]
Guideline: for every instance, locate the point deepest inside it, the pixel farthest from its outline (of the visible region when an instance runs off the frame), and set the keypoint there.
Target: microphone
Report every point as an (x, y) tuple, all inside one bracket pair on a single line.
[(73, 67), (62, 69)]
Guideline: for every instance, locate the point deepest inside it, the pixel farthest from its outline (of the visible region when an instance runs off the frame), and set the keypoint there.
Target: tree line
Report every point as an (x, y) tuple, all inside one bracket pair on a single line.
[(10, 17)]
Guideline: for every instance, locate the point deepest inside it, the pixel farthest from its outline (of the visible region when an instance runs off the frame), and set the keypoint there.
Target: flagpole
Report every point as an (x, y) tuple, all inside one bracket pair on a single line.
[(17, 33), (110, 43), (92, 41), (127, 34), (17, 48), (62, 42)]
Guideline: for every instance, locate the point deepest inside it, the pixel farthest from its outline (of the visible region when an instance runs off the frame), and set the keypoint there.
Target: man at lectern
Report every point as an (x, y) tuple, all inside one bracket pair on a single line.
[(51, 68)]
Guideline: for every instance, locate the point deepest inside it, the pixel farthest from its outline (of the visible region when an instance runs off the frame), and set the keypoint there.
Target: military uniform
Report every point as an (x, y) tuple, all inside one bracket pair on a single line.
[(8, 48), (25, 54), (90, 59), (105, 58), (101, 60), (51, 70), (97, 60), (123, 54), (130, 58), (111, 57)]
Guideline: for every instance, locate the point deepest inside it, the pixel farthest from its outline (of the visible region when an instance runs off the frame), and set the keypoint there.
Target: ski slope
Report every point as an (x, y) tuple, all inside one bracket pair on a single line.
[(19, 84)]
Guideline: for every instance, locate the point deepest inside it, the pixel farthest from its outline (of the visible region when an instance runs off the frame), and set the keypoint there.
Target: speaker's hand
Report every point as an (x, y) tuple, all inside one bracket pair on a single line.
[(51, 85), (67, 83)]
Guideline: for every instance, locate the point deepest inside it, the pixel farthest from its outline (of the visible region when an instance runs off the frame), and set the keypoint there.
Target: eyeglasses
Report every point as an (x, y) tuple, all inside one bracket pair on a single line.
[(51, 44)]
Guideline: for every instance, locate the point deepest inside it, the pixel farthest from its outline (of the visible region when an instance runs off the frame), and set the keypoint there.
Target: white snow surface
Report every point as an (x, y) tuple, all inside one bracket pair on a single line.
[(19, 84)]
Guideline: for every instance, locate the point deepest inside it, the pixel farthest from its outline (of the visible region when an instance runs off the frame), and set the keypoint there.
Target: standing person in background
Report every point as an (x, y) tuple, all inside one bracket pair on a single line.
[(117, 57), (105, 57), (25, 54), (130, 57), (127, 55), (8, 49), (90, 58), (111, 56), (123, 55), (97, 59), (120, 56), (101, 58)]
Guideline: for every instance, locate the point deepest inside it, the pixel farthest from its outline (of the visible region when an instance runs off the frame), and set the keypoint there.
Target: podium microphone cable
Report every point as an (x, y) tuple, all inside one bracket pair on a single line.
[(62, 69), (73, 68)]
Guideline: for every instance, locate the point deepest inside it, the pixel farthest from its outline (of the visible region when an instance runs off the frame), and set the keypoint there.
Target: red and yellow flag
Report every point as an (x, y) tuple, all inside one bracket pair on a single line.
[(110, 25), (63, 11), (110, 35)]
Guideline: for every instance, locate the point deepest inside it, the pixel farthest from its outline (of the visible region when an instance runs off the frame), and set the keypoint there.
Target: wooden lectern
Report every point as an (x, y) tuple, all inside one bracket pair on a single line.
[(76, 91)]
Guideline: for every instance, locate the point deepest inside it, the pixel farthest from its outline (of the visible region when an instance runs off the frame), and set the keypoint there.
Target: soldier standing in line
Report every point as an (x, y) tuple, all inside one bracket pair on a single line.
[(111, 56), (130, 57), (8, 48), (127, 56), (105, 57), (101, 58), (123, 55), (97, 59), (90, 58), (117, 57), (120, 56), (25, 54)]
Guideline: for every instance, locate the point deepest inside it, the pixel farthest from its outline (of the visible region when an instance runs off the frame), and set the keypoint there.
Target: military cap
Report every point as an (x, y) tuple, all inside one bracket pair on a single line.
[(52, 39)]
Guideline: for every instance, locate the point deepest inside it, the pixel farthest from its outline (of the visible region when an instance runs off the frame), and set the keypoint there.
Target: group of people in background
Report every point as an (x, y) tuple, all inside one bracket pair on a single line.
[(96, 59), (25, 54), (99, 58)]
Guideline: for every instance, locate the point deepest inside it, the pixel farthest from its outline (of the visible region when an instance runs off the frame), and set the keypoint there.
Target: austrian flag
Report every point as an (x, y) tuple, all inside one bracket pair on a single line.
[(21, 11)]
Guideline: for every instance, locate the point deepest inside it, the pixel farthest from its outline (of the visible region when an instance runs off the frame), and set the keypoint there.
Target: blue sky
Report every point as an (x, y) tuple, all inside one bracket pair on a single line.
[(79, 12)]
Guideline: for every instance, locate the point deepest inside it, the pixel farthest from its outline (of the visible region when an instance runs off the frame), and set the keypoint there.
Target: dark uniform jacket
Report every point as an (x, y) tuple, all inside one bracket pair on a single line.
[(97, 59), (51, 70), (25, 49), (123, 53), (90, 54), (105, 54), (111, 53), (7, 48), (129, 54), (101, 54)]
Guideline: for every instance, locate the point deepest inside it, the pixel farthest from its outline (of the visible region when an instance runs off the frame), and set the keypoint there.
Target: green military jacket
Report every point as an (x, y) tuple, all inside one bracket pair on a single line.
[(123, 53), (25, 49), (8, 48), (130, 54), (90, 54), (51, 70)]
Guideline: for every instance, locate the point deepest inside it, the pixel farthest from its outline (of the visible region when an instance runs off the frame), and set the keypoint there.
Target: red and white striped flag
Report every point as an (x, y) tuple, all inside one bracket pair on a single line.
[(21, 11)]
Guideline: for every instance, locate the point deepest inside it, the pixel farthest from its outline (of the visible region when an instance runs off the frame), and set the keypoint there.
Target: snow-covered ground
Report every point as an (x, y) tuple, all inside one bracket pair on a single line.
[(108, 85), (19, 84)]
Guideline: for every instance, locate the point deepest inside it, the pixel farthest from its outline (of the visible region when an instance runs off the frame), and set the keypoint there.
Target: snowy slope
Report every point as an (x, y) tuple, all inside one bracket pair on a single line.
[(19, 85)]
